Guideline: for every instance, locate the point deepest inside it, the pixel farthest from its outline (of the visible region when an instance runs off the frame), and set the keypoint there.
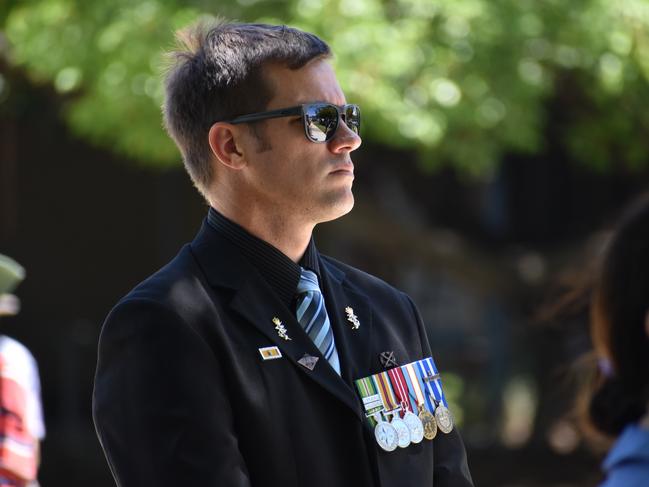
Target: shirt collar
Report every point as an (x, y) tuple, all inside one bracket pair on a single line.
[(280, 272)]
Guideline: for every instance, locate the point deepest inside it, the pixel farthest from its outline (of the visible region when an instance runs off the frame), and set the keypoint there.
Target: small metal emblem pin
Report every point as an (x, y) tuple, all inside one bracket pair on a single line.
[(352, 318), (281, 330), (430, 378), (387, 359), (308, 361)]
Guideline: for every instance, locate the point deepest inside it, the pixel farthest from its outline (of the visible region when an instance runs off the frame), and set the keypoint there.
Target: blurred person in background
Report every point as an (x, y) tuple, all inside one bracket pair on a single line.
[(21, 415), (616, 402)]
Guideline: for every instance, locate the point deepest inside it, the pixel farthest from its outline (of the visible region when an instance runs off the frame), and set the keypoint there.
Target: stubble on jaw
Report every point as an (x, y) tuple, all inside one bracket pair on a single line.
[(338, 204)]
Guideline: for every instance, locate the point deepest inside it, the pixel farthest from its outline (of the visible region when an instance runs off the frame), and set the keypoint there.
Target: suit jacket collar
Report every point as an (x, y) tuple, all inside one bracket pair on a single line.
[(345, 300), (253, 299)]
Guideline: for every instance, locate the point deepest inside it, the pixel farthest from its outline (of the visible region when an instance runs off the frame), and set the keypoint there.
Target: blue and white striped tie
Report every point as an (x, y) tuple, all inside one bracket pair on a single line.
[(312, 315)]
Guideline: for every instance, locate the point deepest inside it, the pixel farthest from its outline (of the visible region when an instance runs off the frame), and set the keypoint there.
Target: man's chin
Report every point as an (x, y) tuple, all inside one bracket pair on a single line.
[(342, 205)]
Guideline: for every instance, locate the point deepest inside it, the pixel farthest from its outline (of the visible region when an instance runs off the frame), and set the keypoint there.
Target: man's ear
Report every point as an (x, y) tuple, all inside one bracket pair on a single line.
[(225, 141)]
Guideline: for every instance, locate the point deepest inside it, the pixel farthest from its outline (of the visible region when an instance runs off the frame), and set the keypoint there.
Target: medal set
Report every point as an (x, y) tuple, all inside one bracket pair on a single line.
[(405, 404)]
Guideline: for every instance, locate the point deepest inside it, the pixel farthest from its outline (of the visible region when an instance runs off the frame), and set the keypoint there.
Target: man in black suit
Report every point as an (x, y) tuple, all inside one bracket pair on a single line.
[(234, 365)]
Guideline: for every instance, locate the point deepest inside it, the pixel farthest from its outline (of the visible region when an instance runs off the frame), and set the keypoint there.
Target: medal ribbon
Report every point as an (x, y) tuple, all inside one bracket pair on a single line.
[(400, 387), (429, 366), (384, 387), (367, 390), (425, 386), (414, 389)]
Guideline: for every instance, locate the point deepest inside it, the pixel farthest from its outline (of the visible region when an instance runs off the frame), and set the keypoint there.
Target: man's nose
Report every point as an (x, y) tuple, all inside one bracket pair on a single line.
[(345, 139)]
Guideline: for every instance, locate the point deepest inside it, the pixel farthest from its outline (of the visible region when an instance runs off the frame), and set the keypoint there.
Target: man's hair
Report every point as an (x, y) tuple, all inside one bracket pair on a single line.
[(216, 75)]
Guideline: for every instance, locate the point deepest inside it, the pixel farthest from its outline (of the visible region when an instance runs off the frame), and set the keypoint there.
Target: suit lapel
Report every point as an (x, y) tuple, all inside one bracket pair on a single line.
[(255, 301), (353, 345)]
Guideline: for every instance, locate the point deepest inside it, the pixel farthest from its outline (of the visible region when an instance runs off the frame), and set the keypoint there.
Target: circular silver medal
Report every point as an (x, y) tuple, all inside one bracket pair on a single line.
[(386, 436), (402, 430), (415, 426), (444, 418)]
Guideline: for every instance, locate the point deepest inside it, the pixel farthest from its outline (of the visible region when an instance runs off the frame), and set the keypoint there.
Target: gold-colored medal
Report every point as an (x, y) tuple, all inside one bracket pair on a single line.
[(428, 420)]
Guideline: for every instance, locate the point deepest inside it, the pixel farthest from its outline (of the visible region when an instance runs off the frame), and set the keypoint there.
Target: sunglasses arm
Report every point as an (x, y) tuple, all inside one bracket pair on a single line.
[(254, 117)]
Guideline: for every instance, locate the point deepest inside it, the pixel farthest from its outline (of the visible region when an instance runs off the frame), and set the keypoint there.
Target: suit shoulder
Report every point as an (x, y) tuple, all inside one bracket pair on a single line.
[(175, 287), (181, 269)]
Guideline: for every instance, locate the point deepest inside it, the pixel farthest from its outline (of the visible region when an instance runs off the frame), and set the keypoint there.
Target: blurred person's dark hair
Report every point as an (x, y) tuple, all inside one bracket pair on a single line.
[(215, 75), (610, 289), (619, 317)]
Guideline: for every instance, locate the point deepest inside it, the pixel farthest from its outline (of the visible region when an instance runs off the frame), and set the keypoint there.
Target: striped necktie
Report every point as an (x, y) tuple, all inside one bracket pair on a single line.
[(312, 315)]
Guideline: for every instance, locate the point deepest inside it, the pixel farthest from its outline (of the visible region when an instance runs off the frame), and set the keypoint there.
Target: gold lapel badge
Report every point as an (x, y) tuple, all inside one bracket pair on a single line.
[(352, 318), (281, 330), (270, 353)]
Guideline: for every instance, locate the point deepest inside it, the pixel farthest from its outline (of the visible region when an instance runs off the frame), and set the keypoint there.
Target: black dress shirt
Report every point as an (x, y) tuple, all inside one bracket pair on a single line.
[(280, 272)]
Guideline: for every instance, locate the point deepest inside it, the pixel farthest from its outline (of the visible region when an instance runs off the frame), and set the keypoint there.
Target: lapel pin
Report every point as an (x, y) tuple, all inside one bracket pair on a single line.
[(352, 318), (388, 359), (281, 330), (308, 361), (270, 353)]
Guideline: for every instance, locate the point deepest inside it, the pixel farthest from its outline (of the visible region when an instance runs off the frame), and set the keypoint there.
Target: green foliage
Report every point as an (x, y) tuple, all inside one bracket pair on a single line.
[(461, 81)]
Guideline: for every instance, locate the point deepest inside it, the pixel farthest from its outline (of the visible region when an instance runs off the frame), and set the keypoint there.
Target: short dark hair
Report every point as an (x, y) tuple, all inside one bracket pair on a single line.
[(216, 75)]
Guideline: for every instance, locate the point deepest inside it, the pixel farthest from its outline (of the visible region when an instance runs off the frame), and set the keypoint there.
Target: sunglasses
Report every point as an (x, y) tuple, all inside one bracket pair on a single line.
[(320, 119)]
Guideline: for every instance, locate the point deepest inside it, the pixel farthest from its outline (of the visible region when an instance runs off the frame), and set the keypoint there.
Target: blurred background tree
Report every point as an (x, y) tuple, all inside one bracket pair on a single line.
[(459, 81)]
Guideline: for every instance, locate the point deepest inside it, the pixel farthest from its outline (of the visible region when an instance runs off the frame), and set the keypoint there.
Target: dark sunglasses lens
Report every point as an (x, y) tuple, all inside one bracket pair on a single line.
[(353, 118), (321, 122)]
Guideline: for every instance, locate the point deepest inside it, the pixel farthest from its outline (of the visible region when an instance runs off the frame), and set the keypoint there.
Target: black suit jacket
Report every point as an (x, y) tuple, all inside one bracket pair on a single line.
[(183, 397)]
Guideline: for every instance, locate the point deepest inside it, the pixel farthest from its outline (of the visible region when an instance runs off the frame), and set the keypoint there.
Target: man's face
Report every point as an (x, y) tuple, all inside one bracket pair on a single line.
[(292, 176)]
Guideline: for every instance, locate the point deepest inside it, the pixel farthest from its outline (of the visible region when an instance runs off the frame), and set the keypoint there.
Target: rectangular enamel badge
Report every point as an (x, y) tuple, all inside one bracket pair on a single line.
[(270, 353)]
